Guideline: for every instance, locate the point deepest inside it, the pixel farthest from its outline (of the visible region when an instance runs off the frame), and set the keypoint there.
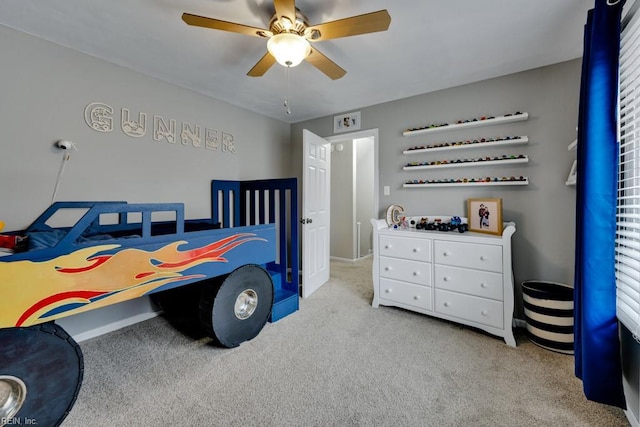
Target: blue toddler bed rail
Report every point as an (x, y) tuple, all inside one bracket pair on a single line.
[(244, 203)]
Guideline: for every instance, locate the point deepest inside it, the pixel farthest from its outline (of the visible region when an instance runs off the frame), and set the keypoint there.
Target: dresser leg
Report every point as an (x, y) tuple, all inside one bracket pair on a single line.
[(509, 338), (375, 303)]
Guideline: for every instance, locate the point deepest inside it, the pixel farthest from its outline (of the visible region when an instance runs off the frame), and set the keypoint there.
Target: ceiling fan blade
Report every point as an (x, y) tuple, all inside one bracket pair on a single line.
[(262, 66), (285, 8), (361, 24), (324, 64), (216, 24)]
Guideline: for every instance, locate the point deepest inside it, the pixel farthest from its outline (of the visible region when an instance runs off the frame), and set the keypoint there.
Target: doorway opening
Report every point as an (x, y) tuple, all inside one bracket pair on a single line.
[(354, 193)]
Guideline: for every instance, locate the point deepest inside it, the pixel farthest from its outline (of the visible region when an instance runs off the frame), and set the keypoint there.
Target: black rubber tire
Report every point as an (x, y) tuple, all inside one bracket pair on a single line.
[(51, 365), (217, 305)]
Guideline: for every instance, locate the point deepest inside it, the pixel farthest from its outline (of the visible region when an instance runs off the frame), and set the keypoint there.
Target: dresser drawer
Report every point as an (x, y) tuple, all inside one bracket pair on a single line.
[(469, 255), (405, 247), (405, 270), (406, 293), (479, 310), (473, 282)]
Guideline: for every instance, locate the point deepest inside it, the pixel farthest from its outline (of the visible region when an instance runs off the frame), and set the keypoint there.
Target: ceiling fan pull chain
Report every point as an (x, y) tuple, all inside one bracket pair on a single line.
[(286, 99)]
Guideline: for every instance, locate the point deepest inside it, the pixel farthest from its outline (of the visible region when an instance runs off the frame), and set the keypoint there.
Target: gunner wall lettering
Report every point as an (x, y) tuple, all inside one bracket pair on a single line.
[(99, 117)]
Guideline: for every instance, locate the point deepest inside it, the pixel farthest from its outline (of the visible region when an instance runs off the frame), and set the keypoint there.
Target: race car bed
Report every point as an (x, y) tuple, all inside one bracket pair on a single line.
[(79, 256)]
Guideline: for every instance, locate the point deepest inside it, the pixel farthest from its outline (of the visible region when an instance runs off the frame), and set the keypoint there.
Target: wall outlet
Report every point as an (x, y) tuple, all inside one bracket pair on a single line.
[(387, 190)]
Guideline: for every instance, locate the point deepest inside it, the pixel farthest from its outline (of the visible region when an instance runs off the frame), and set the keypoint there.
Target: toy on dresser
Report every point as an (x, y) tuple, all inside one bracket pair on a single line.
[(440, 224), (396, 218)]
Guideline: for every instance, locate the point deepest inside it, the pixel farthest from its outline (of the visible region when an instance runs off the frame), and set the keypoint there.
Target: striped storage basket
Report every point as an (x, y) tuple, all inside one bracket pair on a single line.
[(548, 310)]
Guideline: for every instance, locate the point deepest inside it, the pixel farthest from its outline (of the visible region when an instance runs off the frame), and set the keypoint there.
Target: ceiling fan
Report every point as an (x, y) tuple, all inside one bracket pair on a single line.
[(289, 35)]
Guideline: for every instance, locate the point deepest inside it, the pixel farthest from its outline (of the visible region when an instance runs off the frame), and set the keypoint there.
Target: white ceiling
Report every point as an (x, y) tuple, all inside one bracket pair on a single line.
[(430, 45)]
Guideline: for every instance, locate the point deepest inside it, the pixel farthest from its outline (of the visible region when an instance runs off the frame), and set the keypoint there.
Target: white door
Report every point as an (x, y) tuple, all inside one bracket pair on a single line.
[(316, 185)]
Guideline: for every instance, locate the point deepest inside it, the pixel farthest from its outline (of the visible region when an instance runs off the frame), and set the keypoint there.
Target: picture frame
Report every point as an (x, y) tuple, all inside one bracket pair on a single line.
[(485, 215), (346, 122)]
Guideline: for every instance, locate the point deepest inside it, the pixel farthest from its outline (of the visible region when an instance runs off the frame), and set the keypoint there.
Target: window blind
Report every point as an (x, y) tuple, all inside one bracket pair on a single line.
[(628, 204)]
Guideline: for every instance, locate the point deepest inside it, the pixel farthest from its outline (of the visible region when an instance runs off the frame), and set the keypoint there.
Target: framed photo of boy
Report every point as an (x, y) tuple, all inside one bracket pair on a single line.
[(346, 122), (485, 215)]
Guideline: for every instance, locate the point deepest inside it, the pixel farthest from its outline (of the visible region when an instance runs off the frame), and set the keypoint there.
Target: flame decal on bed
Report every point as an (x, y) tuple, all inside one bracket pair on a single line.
[(97, 261), (88, 279), (212, 252), (76, 296)]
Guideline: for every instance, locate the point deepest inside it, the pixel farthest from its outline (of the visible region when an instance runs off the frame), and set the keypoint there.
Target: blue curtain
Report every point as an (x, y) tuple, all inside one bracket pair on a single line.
[(597, 347)]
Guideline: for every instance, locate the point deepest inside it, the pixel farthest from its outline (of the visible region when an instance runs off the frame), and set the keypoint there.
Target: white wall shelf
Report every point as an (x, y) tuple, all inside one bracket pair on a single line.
[(525, 159), (471, 124), (454, 146), (573, 173), (525, 181)]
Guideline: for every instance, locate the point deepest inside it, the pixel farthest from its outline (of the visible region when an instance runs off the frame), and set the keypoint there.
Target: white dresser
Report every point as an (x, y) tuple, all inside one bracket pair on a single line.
[(462, 277)]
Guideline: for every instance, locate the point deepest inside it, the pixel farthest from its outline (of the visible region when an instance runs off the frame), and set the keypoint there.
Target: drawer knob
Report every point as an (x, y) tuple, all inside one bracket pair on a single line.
[(387, 246), (387, 268), (446, 304), (416, 249), (446, 278), (484, 312), (388, 291), (483, 258), (446, 253), (483, 285), (416, 273), (416, 297)]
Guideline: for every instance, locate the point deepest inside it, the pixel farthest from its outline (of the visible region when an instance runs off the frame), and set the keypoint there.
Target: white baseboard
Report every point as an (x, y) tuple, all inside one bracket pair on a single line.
[(335, 258), (114, 326), (354, 260), (631, 418)]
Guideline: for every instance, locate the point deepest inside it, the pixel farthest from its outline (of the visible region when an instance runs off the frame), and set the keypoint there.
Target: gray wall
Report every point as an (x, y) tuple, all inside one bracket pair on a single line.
[(364, 165), (544, 211), (342, 196), (45, 89)]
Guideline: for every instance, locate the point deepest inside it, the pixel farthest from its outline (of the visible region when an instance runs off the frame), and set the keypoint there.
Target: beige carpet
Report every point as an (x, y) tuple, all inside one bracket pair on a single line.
[(336, 362)]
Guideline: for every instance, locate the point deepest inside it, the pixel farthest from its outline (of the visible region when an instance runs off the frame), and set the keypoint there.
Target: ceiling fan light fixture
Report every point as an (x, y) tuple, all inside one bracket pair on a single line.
[(289, 35), (289, 49)]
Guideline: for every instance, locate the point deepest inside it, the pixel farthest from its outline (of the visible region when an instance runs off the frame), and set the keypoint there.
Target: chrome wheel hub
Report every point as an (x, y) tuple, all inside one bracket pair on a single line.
[(13, 391), (246, 304)]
